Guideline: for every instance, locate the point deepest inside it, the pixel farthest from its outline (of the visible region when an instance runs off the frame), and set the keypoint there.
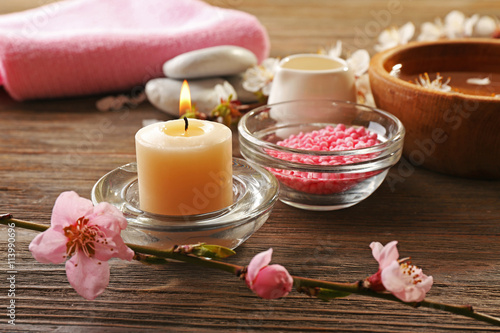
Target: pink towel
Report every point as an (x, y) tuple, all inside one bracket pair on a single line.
[(82, 47)]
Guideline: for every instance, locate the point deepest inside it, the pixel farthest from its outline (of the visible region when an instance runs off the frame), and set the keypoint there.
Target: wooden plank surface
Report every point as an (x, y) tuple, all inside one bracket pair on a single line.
[(449, 226)]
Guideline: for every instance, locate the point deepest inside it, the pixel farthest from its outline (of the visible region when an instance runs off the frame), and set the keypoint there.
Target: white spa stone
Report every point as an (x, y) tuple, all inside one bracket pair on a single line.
[(214, 61), (164, 93)]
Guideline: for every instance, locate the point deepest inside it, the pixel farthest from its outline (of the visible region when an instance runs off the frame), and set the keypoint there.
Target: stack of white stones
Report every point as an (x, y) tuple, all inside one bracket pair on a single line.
[(204, 69)]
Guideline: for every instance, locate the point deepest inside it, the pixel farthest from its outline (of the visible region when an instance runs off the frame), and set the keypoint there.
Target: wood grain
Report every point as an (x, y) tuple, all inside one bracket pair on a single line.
[(449, 226)]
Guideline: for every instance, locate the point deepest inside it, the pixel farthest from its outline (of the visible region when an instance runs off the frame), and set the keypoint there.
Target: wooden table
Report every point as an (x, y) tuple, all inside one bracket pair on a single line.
[(449, 226)]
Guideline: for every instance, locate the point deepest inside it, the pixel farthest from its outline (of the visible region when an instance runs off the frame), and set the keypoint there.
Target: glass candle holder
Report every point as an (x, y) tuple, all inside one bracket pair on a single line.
[(255, 191)]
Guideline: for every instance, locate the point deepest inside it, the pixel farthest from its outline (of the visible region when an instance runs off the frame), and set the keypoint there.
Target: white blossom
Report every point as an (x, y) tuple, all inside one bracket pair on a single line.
[(478, 81), (260, 77), (431, 31), (223, 91), (393, 36), (436, 84), (359, 62), (455, 25), (396, 70), (334, 51), (364, 91), (485, 26)]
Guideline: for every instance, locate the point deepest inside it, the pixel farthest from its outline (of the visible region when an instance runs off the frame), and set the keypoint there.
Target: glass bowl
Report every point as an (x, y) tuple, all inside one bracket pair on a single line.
[(318, 179), (255, 191)]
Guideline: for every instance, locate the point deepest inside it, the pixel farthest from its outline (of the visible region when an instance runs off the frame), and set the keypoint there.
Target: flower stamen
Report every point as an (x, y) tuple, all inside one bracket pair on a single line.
[(436, 84), (82, 236), (413, 272)]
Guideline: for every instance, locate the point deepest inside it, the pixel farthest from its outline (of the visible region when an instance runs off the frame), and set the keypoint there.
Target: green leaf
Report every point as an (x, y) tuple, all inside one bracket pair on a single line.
[(328, 294), (212, 251)]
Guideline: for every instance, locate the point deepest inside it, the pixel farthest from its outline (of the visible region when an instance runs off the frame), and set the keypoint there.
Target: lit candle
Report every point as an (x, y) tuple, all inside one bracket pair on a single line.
[(184, 166)]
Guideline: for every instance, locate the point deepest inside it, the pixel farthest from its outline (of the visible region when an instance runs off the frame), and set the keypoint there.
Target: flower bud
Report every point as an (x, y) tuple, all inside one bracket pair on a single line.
[(272, 282), (268, 281)]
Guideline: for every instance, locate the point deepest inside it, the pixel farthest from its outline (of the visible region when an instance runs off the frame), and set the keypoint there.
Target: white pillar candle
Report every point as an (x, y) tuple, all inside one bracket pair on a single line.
[(184, 172)]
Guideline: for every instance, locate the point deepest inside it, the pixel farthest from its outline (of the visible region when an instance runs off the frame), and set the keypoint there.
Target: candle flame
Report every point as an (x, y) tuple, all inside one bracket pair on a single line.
[(185, 99)]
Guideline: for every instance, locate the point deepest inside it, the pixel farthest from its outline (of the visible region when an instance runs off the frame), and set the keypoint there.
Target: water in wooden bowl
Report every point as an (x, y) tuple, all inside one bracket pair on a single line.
[(454, 129)]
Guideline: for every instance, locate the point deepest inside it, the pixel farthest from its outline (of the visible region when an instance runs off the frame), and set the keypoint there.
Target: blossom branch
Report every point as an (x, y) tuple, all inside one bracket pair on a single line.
[(8, 218), (179, 256), (138, 249), (358, 288), (305, 285)]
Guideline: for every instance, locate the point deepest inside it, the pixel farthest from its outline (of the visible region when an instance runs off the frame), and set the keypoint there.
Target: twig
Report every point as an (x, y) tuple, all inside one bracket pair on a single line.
[(302, 284)]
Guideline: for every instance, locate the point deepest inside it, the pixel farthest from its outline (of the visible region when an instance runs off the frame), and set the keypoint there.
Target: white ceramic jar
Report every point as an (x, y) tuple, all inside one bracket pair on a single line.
[(312, 76)]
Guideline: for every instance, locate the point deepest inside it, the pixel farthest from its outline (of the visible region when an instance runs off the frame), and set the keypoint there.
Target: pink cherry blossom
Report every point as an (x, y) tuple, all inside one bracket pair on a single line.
[(404, 280), (268, 281), (89, 236)]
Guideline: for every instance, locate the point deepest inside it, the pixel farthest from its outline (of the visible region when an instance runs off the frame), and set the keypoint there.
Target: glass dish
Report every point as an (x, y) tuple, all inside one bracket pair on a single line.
[(351, 175), (255, 192)]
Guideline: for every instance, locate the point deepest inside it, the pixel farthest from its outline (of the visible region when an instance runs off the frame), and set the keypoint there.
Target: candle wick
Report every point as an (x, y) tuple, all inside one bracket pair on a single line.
[(186, 124)]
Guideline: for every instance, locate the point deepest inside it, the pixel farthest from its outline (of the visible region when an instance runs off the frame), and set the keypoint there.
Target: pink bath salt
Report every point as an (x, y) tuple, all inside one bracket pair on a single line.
[(330, 138)]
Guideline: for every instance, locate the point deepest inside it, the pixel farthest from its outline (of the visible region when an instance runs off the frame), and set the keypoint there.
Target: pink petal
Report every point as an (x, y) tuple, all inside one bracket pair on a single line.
[(108, 222), (427, 282), (105, 251), (69, 207), (124, 252), (385, 255), (393, 279), (114, 248), (108, 215), (258, 262), (410, 294), (88, 276), (401, 286), (49, 246), (273, 282)]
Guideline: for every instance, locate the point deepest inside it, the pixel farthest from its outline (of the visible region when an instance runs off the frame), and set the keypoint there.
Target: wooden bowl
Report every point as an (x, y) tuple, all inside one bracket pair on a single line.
[(456, 133)]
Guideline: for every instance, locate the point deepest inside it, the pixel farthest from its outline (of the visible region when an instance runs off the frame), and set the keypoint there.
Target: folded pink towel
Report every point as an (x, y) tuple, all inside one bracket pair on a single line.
[(82, 47)]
